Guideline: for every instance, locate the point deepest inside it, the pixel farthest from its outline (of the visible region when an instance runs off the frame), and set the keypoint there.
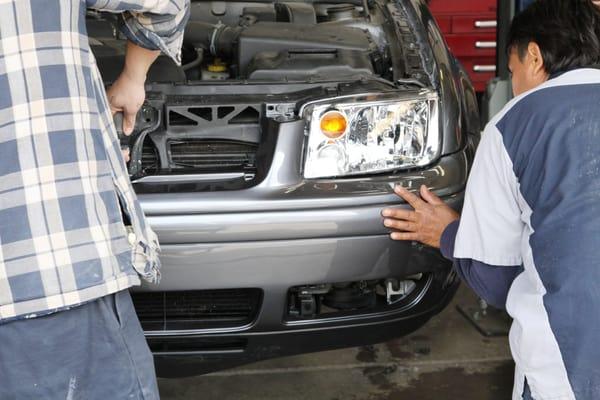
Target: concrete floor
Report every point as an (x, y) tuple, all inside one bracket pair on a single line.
[(446, 359)]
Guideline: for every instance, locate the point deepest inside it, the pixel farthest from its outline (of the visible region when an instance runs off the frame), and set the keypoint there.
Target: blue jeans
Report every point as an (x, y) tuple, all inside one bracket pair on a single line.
[(96, 351)]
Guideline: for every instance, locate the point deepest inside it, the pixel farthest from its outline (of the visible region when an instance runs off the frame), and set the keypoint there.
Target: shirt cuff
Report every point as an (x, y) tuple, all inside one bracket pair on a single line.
[(169, 41), (447, 240)]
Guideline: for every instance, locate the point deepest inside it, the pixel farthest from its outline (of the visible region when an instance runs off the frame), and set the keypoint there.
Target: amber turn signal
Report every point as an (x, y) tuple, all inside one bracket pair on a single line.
[(333, 124)]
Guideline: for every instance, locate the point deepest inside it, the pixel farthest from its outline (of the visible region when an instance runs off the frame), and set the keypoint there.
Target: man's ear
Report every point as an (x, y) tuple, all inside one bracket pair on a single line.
[(536, 61)]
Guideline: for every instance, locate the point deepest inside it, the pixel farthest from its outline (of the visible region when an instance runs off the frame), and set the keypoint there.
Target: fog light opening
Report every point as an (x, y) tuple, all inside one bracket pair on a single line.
[(346, 298)]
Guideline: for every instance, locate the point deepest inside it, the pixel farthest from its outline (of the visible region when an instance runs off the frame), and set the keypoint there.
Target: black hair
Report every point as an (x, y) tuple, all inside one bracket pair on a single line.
[(567, 32)]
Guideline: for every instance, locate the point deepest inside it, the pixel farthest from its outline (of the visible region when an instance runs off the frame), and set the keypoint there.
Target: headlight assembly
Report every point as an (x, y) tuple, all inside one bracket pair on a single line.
[(371, 134)]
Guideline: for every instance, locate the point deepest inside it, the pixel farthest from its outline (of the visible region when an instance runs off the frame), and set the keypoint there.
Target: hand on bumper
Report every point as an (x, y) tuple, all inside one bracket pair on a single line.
[(425, 223)]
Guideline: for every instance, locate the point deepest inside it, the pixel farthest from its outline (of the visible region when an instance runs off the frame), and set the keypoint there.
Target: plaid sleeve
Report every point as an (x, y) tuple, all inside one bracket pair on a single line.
[(154, 25)]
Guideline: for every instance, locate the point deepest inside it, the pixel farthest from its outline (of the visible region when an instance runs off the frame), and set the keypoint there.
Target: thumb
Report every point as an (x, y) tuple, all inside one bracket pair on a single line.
[(128, 122), (429, 197)]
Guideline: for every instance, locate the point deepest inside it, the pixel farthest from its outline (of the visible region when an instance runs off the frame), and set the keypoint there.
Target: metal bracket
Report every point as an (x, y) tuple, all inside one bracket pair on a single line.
[(404, 288)]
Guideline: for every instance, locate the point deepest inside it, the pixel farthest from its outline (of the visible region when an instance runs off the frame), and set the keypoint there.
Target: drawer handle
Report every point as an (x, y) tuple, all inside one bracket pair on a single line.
[(486, 24), (484, 68), (485, 45)]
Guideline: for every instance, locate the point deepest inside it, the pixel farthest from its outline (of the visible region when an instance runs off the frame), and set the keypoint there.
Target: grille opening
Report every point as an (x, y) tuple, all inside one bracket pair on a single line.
[(197, 309), (203, 112), (150, 160), (176, 119), (213, 155), (196, 345), (247, 116), (329, 300), (222, 112), (203, 147)]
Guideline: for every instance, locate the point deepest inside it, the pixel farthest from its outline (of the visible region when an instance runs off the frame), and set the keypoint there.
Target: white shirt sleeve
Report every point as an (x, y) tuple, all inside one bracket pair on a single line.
[(491, 227)]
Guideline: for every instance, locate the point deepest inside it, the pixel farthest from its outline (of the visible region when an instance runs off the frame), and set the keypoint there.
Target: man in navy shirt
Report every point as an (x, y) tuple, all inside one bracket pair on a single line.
[(529, 234)]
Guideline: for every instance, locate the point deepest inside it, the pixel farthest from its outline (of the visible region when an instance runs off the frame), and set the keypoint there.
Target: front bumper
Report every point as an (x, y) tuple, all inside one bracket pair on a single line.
[(286, 232), (179, 355)]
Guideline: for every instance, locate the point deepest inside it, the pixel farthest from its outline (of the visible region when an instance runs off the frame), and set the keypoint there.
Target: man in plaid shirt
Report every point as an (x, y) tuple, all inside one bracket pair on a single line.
[(68, 329)]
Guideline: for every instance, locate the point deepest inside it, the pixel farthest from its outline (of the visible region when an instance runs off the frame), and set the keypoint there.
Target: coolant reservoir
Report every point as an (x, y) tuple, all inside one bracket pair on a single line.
[(217, 71)]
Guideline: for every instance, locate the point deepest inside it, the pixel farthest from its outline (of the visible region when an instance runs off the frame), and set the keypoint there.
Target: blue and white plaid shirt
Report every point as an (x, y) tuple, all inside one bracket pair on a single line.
[(63, 240)]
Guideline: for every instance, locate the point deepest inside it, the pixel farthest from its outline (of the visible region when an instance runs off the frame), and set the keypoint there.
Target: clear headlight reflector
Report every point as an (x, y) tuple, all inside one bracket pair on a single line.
[(371, 134)]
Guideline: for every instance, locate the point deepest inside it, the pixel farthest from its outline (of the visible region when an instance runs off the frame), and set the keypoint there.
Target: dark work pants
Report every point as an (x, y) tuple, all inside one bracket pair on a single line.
[(95, 351)]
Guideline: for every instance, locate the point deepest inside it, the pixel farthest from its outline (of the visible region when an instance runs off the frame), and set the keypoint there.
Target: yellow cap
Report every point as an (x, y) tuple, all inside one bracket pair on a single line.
[(217, 66)]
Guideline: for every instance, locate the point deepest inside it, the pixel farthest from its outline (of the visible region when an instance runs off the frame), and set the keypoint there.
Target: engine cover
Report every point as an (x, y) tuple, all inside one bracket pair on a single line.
[(300, 65), (274, 37)]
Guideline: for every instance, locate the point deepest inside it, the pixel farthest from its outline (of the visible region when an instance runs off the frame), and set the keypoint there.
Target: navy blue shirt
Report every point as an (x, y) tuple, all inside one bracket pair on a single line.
[(490, 282)]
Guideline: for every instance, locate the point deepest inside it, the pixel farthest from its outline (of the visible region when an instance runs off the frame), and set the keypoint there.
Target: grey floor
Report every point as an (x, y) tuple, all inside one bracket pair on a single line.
[(446, 359)]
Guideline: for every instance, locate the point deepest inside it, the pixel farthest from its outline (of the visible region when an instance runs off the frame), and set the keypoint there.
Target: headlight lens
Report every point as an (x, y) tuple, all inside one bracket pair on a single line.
[(371, 134)]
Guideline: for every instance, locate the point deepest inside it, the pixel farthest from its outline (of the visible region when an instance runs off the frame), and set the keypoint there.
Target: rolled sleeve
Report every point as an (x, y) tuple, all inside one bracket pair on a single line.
[(153, 25)]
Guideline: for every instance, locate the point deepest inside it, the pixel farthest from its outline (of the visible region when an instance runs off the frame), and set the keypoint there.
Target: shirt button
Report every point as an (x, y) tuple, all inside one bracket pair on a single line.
[(131, 238)]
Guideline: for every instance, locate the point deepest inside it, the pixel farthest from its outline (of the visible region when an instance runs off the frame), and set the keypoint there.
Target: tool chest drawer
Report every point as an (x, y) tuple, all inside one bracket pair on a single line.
[(480, 69), (461, 6), (472, 46), (469, 27), (484, 23)]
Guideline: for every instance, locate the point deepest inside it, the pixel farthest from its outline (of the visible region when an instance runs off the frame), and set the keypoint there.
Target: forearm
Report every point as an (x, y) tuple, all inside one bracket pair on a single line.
[(151, 24), (138, 61), (490, 282)]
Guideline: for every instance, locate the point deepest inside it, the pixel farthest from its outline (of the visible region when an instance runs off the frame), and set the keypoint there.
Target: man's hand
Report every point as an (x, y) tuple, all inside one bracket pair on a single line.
[(127, 94), (425, 224)]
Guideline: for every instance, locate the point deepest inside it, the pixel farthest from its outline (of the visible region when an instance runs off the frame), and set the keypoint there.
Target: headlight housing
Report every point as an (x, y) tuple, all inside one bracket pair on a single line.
[(365, 134)]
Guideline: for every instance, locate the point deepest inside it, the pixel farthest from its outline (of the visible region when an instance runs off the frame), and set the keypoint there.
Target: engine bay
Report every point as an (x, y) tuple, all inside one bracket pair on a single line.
[(284, 42)]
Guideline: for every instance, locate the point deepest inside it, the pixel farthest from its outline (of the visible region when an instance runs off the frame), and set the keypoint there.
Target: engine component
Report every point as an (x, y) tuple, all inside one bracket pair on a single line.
[(217, 71), (305, 301), (296, 13), (218, 39), (260, 38), (258, 13), (351, 297), (274, 37), (196, 62), (342, 12), (296, 65)]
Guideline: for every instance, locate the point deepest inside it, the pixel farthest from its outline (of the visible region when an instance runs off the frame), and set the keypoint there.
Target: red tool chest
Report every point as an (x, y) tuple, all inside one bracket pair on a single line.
[(469, 27)]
